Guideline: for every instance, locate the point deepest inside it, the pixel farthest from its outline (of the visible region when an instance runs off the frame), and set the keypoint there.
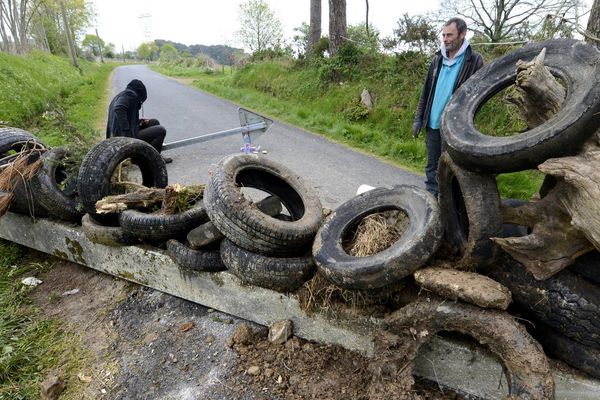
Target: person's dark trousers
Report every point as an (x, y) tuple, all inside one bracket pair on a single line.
[(433, 144), (152, 133)]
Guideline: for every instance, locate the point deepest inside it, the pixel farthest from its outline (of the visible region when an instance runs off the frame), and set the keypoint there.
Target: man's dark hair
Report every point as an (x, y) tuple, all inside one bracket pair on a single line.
[(461, 25)]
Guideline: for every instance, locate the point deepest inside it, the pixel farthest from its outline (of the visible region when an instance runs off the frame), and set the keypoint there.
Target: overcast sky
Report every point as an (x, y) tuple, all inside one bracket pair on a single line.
[(209, 22)]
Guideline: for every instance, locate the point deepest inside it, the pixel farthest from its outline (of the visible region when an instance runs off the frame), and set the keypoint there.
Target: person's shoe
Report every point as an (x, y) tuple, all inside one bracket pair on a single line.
[(167, 160)]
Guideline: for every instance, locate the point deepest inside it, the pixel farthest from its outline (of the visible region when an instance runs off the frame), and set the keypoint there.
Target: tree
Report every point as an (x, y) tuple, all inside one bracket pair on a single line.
[(93, 43), (337, 25), (593, 25), (147, 51), (363, 38), (259, 29), (300, 41), (501, 20), (168, 53), (415, 33), (314, 33)]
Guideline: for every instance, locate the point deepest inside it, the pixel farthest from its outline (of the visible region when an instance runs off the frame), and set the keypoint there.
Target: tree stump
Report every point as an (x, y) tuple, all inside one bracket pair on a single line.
[(565, 222)]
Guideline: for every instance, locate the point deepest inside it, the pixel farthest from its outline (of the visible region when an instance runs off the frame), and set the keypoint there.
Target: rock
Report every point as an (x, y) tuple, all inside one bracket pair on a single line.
[(209, 339), (280, 332), (204, 234), (269, 372), (52, 387), (253, 370), (31, 281), (366, 99), (243, 335), (466, 286)]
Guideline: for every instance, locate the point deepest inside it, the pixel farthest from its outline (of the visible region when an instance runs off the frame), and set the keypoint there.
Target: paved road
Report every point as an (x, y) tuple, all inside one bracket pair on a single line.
[(333, 169)]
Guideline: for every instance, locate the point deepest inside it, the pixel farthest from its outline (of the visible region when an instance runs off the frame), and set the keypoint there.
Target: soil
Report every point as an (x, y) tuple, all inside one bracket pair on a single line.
[(139, 343)]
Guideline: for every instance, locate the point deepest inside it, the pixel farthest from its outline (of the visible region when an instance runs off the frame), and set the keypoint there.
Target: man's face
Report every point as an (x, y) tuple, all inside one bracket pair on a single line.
[(452, 40)]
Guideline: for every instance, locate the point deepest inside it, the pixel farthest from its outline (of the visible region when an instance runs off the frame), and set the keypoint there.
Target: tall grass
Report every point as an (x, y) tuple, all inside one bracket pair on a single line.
[(61, 105), (324, 97)]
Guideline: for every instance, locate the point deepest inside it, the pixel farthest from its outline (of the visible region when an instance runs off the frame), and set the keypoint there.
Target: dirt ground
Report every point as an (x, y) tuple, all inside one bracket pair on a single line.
[(139, 343)]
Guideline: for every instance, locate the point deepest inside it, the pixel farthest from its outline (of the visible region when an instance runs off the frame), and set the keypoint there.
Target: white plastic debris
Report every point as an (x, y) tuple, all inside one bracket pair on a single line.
[(31, 281), (70, 292), (363, 188)]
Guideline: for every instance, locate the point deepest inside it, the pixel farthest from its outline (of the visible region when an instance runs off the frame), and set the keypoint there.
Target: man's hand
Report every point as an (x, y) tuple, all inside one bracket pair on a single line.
[(416, 129)]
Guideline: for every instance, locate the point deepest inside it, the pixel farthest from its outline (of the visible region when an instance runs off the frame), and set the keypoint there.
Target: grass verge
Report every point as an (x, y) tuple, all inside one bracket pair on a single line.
[(61, 105), (325, 99)]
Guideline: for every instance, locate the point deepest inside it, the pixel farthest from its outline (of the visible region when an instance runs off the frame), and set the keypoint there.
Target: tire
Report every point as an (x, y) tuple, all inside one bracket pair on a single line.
[(197, 260), (575, 63), (277, 273), (470, 208), (161, 227), (106, 235), (99, 164), (60, 203), (527, 370), (588, 267), (242, 222), (420, 240), (513, 230), (565, 302), (585, 359), (13, 140)]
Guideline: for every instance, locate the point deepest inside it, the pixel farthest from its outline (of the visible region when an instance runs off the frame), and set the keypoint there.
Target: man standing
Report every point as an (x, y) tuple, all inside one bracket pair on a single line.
[(451, 66), (124, 118)]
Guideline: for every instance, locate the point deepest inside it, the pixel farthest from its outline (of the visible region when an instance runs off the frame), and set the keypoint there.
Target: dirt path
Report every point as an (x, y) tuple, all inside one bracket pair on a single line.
[(139, 343)]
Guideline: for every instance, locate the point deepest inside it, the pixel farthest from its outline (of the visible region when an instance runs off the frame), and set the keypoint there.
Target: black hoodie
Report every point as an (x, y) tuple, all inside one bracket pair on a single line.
[(123, 112)]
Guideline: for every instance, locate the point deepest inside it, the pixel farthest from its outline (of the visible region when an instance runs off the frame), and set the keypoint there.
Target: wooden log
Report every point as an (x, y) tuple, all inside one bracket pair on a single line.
[(142, 198), (565, 222), (537, 93), (553, 243)]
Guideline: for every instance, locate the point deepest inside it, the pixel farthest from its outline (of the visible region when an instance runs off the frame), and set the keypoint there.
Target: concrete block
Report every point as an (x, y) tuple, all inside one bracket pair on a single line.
[(466, 368)]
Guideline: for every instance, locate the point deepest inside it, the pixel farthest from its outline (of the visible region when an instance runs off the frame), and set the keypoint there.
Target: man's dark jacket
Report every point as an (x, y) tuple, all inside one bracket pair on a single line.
[(471, 63), (124, 111)]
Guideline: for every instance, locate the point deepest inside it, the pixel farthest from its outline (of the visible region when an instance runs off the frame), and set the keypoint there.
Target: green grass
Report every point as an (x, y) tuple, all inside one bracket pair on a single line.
[(61, 105), (324, 98), (29, 344)]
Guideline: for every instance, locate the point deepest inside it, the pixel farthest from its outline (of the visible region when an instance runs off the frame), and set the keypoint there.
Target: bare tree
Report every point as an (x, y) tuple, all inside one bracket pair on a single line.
[(499, 20), (16, 16), (260, 29), (315, 26), (337, 25), (367, 17), (593, 25)]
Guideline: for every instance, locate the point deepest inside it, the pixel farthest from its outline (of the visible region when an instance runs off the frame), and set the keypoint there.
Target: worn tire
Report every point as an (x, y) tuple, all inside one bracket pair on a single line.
[(470, 208), (565, 302), (106, 235), (527, 370), (576, 63), (575, 354), (60, 203), (161, 227), (99, 164), (13, 139), (197, 260), (420, 240), (242, 222), (277, 273), (588, 267)]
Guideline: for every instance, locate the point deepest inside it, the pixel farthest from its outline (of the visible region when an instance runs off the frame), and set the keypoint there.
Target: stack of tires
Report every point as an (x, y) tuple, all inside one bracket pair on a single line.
[(567, 305), (264, 250), (51, 192)]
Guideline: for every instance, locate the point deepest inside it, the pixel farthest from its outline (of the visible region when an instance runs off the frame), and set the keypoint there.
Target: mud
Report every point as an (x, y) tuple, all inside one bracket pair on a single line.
[(138, 343), (470, 287)]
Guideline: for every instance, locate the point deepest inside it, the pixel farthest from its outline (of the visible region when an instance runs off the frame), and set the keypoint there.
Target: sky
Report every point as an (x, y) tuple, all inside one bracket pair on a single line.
[(129, 23)]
